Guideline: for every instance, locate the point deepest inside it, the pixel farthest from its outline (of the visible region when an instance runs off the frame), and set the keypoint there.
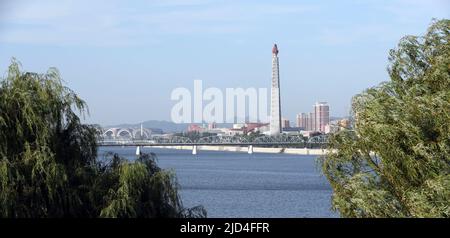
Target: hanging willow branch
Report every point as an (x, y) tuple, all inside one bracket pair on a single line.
[(49, 165)]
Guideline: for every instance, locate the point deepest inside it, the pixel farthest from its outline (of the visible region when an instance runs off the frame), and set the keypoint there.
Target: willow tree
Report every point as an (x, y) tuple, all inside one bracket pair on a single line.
[(395, 162), (49, 165)]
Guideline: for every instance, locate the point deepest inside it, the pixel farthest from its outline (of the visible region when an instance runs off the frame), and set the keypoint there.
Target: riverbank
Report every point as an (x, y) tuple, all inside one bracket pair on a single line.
[(296, 151)]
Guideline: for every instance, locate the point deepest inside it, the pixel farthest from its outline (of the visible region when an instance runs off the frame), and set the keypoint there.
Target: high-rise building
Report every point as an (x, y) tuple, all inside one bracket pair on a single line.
[(212, 125), (316, 120), (285, 123), (322, 116), (302, 120), (312, 121), (275, 104)]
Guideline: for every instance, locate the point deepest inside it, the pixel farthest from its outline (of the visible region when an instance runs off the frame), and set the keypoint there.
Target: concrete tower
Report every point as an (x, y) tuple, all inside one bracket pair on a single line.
[(275, 104)]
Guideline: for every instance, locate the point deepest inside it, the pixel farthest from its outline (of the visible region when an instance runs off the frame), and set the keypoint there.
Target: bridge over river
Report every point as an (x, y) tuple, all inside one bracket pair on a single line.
[(283, 141)]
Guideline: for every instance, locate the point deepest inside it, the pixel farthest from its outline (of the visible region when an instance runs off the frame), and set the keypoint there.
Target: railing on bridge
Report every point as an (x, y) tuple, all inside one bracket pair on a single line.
[(267, 141)]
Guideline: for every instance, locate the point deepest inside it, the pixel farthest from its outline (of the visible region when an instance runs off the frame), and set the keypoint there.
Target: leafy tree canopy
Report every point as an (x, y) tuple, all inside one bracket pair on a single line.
[(396, 160), (49, 165)]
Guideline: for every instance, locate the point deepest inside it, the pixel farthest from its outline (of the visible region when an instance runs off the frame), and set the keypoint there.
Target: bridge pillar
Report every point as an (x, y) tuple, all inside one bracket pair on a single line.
[(138, 150), (250, 149), (194, 150)]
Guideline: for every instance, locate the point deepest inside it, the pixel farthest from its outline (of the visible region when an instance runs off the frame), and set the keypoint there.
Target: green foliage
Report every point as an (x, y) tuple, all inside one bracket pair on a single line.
[(49, 165), (396, 161)]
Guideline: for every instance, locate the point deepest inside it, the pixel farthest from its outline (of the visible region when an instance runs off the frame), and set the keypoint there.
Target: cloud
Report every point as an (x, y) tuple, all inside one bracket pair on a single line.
[(412, 11), (372, 33), (119, 23), (34, 11), (381, 21), (179, 3), (110, 23)]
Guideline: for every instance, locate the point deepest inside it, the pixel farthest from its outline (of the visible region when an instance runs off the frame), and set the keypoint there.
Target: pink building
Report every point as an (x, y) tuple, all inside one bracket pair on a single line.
[(285, 123), (194, 127), (322, 116), (316, 120), (302, 120), (311, 122)]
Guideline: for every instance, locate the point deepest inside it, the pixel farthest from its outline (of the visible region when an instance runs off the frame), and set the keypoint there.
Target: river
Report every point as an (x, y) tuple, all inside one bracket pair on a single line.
[(236, 184)]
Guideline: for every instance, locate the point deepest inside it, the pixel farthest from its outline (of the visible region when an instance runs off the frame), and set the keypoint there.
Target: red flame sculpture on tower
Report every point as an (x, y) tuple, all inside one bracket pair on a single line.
[(275, 49)]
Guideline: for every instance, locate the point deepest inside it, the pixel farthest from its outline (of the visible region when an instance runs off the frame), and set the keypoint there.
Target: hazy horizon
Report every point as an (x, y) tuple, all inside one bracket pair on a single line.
[(125, 58)]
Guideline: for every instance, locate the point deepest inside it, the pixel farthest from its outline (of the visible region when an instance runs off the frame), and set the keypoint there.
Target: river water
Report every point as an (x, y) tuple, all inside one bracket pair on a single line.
[(235, 184)]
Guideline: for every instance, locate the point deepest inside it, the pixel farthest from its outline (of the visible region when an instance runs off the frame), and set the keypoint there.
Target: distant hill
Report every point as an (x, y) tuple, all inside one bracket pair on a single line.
[(166, 126)]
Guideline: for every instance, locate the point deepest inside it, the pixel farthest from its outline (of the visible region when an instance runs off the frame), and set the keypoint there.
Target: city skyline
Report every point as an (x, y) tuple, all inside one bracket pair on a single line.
[(131, 56)]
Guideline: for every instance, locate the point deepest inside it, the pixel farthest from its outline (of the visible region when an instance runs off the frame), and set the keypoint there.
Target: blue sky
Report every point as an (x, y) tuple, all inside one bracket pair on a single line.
[(125, 57)]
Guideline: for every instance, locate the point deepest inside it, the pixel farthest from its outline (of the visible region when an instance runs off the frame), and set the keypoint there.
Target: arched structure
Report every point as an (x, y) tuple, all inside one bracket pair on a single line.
[(110, 133), (173, 139), (318, 139), (222, 139), (124, 134), (279, 139), (146, 133)]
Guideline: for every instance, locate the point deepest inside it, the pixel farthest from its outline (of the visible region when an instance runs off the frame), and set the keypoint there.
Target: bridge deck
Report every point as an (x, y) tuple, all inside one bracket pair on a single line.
[(207, 144)]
